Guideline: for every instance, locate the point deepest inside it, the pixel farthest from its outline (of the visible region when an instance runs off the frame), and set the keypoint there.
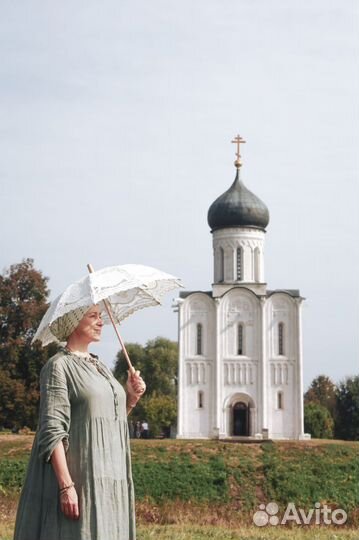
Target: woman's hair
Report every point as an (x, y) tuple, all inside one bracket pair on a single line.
[(63, 327)]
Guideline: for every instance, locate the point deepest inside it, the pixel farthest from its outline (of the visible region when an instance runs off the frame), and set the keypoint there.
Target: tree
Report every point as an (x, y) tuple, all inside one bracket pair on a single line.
[(160, 412), (161, 366), (157, 362), (12, 401), (347, 420), (318, 421), (323, 391), (23, 302), (137, 355)]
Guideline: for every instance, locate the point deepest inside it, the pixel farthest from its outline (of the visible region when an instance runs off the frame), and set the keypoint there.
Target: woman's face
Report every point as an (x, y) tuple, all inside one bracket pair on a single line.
[(90, 326)]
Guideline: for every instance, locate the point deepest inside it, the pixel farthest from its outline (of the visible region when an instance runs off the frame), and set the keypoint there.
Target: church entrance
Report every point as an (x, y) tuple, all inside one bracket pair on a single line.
[(240, 419)]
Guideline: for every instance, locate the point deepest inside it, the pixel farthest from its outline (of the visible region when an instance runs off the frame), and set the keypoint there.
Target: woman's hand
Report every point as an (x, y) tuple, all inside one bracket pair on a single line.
[(69, 503), (136, 387)]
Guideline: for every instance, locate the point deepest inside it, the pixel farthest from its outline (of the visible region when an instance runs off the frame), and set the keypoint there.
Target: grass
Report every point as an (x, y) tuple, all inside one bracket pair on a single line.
[(208, 489), (182, 479), (8, 506), (185, 532), (247, 533), (12, 473), (326, 473), (202, 471)]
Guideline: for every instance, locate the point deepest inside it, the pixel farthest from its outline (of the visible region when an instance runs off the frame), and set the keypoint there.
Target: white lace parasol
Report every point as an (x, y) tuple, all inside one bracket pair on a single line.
[(125, 288)]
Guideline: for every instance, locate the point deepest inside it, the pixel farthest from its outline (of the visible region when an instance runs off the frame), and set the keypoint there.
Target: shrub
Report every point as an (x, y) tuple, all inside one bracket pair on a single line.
[(318, 421)]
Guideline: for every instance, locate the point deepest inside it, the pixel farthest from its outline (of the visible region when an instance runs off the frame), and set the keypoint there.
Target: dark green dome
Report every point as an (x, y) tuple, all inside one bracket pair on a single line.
[(238, 207)]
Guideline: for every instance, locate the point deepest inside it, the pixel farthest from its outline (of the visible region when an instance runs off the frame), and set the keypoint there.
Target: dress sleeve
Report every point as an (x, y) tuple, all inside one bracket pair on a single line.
[(55, 410)]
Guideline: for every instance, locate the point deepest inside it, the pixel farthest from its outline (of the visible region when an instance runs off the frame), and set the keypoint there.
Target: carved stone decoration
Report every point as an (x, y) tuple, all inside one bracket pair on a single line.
[(279, 373), (238, 305), (235, 307), (238, 373), (198, 307)]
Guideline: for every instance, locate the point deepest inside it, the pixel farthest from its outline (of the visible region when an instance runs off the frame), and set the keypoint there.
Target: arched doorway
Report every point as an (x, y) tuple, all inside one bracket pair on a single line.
[(240, 416)]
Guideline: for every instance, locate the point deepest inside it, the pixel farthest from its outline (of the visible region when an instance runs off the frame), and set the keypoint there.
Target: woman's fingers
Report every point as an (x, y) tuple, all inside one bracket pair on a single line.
[(136, 377), (75, 511), (71, 511), (139, 386), (67, 510), (137, 382)]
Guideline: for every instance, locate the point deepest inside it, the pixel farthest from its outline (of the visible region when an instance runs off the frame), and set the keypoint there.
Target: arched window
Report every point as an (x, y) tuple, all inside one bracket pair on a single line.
[(199, 339), (221, 264), (200, 399), (239, 264), (280, 404), (280, 338), (240, 348)]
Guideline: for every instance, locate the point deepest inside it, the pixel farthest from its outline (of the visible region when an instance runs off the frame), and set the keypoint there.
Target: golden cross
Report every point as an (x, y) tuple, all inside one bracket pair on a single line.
[(238, 140)]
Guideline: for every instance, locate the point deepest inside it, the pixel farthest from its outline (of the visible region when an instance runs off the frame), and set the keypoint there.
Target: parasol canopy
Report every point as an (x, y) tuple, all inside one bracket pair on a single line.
[(119, 291)]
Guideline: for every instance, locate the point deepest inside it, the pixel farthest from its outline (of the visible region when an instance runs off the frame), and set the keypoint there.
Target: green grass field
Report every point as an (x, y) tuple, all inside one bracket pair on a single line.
[(211, 489)]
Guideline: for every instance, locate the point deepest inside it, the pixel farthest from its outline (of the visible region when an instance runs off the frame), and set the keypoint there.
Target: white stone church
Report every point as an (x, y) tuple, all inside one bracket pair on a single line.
[(240, 344)]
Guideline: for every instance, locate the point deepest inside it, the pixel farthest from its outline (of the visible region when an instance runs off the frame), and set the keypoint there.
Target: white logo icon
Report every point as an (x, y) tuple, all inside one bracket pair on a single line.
[(267, 515)]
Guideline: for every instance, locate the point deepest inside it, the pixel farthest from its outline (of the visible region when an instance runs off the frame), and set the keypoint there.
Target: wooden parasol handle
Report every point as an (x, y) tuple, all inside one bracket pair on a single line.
[(109, 312)]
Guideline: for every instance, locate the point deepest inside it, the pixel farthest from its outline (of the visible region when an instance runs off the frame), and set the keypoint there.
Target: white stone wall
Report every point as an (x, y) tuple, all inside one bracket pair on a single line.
[(240, 380), (285, 370), (225, 377), (225, 245), (196, 372)]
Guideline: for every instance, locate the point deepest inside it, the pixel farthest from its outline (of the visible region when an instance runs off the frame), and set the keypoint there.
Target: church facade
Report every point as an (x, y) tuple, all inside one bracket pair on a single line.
[(240, 344)]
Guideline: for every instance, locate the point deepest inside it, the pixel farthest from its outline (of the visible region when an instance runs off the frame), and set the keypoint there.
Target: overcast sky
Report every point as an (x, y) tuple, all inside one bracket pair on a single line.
[(115, 122)]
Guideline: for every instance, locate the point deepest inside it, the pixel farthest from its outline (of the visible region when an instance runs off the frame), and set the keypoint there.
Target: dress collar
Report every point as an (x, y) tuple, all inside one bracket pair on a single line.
[(79, 353)]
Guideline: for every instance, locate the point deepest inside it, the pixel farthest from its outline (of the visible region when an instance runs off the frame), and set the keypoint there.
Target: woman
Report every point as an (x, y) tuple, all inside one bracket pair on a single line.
[(78, 484)]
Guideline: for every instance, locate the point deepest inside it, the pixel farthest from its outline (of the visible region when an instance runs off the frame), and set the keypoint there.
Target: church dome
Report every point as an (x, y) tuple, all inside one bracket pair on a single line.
[(238, 207)]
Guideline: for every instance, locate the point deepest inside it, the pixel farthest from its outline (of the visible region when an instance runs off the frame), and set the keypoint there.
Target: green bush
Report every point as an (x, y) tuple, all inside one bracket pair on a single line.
[(307, 475), (12, 474)]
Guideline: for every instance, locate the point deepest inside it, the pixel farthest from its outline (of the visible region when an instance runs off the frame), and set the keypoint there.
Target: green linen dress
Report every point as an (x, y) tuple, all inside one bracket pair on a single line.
[(85, 407)]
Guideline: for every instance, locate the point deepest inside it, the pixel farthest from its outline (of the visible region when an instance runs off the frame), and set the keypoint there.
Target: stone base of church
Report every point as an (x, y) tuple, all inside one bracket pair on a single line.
[(244, 440), (240, 439), (192, 437), (258, 437)]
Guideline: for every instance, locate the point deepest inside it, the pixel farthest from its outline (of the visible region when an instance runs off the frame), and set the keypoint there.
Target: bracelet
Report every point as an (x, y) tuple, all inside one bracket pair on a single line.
[(65, 488)]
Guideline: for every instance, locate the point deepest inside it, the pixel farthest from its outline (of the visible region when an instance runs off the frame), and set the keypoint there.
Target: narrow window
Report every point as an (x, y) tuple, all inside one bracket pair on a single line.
[(200, 399), (280, 338), (239, 264), (256, 265), (240, 339), (221, 264), (199, 339), (280, 400)]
